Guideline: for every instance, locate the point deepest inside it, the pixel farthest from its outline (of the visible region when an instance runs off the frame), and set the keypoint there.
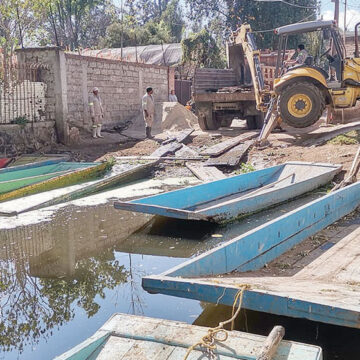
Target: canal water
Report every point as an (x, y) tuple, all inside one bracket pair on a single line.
[(63, 276)]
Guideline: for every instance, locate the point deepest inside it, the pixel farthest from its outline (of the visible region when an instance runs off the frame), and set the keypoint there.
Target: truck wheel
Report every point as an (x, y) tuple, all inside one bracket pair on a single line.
[(207, 119), (259, 119), (301, 104), (226, 123), (251, 122)]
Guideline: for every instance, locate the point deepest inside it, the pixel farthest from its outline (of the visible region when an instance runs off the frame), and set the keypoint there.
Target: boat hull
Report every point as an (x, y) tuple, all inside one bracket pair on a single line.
[(208, 277), (39, 179), (239, 195)]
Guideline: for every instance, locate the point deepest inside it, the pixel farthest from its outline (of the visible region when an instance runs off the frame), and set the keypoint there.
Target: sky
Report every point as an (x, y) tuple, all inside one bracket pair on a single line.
[(352, 13)]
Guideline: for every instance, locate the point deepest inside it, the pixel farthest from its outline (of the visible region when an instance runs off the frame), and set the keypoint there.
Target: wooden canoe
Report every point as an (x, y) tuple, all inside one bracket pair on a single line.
[(139, 337), (27, 181), (326, 289), (238, 195)]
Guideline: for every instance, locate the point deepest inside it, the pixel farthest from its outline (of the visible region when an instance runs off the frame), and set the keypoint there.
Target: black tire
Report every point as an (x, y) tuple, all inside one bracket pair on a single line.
[(251, 122), (259, 120), (226, 123), (207, 119), (316, 109)]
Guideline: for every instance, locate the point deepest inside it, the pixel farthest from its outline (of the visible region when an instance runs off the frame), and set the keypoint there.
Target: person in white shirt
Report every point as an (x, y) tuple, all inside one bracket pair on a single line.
[(96, 112), (148, 107), (172, 96)]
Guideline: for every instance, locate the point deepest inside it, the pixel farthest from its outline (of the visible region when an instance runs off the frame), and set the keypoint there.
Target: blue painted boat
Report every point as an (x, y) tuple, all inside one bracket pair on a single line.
[(138, 337), (237, 195), (327, 289), (25, 162)]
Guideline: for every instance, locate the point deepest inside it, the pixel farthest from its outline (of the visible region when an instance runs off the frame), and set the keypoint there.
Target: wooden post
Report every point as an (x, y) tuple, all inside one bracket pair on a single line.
[(271, 343)]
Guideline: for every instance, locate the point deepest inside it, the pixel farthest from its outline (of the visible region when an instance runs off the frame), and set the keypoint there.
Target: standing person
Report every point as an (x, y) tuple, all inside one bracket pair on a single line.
[(148, 107), (172, 96), (96, 112)]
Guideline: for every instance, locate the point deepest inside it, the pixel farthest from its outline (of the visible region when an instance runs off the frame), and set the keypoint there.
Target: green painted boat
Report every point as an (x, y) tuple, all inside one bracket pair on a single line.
[(27, 181)]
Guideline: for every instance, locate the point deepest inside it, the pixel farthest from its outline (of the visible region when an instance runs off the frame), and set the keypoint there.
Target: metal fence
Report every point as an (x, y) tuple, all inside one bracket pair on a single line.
[(22, 93)]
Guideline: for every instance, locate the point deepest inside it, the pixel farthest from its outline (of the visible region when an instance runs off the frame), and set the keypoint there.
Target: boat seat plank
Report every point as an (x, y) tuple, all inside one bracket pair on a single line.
[(115, 348)]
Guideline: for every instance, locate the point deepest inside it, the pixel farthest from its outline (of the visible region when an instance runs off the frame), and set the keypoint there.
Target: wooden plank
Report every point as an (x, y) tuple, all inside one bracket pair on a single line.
[(192, 158), (231, 157), (166, 149), (205, 173), (180, 136), (321, 139), (220, 148), (186, 152)]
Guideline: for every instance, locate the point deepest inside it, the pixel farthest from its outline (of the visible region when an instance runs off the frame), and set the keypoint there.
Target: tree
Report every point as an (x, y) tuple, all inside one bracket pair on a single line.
[(165, 28), (200, 50), (234, 12)]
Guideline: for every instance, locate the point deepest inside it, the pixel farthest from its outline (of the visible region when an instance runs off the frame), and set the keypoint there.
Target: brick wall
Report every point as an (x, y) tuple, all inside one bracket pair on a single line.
[(121, 87)]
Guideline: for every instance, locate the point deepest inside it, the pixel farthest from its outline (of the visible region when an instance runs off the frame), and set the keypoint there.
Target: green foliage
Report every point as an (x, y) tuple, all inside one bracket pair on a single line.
[(245, 168), (350, 138), (260, 15), (166, 27), (20, 120), (201, 50)]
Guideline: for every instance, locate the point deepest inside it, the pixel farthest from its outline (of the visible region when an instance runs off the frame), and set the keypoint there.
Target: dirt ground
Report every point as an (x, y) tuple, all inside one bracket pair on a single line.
[(291, 145)]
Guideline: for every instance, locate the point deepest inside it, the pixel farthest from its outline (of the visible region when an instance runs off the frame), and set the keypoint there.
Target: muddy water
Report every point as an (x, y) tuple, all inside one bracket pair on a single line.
[(62, 278)]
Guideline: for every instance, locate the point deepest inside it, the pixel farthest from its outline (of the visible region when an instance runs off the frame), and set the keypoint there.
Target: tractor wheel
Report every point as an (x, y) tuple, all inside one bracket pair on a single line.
[(301, 104)]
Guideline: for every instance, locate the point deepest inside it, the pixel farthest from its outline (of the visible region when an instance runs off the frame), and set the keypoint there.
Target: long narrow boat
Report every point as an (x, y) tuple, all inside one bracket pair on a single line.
[(115, 178), (324, 286), (223, 199), (32, 161), (138, 337), (22, 182)]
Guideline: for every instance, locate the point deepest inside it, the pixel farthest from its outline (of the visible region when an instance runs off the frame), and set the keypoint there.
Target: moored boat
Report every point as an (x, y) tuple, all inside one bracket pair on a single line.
[(237, 195), (139, 337), (323, 285), (27, 181)]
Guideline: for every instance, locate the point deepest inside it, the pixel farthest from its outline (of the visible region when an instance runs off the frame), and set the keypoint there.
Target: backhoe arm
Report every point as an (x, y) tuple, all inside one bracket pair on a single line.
[(246, 38)]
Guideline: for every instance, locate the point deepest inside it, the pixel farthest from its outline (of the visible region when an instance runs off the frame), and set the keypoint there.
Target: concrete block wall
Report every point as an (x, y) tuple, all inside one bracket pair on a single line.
[(121, 87)]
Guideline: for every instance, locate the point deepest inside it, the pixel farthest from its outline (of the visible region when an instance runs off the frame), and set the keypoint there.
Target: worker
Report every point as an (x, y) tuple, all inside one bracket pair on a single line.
[(148, 107), (172, 96), (301, 57), (96, 113)]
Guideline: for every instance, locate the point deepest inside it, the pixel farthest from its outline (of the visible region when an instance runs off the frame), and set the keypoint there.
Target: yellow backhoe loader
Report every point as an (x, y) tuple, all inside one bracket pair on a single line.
[(301, 92)]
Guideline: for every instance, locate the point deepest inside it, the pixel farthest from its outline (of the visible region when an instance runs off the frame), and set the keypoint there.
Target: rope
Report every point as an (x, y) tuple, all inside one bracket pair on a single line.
[(208, 341)]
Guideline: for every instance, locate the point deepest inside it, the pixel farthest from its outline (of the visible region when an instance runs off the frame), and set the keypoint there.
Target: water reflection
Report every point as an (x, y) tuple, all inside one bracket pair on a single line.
[(49, 269)]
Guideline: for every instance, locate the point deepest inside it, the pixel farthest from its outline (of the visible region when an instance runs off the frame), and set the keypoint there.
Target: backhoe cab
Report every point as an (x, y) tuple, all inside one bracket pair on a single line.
[(326, 78)]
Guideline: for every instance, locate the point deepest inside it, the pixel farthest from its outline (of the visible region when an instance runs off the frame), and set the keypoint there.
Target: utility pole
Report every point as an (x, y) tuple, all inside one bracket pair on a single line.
[(122, 29), (336, 12), (345, 6)]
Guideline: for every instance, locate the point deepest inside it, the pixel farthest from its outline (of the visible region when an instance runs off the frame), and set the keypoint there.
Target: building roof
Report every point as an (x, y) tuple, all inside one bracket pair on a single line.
[(166, 54)]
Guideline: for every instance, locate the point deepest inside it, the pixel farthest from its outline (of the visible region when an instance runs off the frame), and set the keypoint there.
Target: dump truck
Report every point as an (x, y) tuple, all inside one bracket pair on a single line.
[(220, 95)]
